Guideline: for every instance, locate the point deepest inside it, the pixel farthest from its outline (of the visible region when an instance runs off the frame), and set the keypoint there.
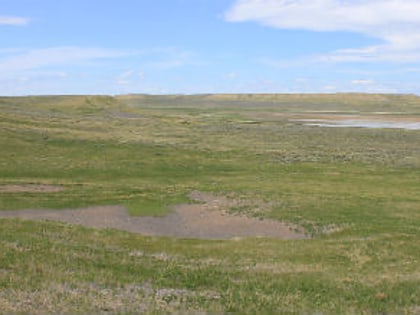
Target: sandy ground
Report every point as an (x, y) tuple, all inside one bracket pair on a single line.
[(207, 219)]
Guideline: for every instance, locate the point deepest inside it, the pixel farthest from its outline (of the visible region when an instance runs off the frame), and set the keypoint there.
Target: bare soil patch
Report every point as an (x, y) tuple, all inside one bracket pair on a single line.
[(208, 219), (30, 188)]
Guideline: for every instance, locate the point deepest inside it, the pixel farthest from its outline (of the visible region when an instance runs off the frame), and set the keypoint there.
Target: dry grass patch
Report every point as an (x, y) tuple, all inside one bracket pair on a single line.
[(92, 298)]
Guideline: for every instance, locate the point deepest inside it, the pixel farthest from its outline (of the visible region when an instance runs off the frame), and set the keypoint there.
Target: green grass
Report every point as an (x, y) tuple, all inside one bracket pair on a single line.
[(71, 269), (355, 190)]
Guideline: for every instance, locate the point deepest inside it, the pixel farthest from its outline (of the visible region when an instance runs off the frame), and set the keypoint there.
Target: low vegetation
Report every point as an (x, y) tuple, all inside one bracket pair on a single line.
[(354, 190)]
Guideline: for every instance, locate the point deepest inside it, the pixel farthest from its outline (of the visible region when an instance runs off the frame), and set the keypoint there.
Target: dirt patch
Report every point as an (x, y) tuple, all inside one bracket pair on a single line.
[(30, 188), (206, 220)]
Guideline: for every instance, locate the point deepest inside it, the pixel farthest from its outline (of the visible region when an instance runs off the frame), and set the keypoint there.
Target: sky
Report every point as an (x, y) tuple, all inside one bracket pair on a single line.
[(209, 46)]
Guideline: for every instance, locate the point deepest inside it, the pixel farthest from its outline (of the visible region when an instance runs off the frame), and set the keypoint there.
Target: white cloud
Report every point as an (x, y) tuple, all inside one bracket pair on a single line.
[(368, 16), (54, 56), (13, 20), (380, 53), (396, 22), (363, 82)]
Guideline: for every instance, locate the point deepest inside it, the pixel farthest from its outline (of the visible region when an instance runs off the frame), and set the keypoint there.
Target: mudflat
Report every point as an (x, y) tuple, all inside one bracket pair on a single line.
[(207, 219)]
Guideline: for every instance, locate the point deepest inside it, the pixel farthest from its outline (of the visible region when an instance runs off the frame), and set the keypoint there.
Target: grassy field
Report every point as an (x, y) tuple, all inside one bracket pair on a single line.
[(356, 191)]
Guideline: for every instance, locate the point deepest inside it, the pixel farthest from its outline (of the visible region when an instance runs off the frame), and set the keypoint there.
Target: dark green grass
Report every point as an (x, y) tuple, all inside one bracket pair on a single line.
[(355, 190)]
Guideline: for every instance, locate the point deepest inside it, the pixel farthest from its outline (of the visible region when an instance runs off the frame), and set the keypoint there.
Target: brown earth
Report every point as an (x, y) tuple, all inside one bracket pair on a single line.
[(205, 220), (30, 188)]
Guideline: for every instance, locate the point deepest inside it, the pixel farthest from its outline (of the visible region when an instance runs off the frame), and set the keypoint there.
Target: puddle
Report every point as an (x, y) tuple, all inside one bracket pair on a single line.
[(361, 124), (207, 219)]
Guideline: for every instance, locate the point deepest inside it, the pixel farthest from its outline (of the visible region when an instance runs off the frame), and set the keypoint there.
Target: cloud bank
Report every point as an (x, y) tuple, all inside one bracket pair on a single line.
[(395, 22)]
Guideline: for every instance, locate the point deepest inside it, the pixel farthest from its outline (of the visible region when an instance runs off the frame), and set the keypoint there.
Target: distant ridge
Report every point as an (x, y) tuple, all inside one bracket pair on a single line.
[(407, 103)]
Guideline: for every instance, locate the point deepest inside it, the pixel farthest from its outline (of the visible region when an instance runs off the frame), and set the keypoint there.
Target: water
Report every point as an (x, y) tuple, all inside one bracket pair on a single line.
[(363, 124)]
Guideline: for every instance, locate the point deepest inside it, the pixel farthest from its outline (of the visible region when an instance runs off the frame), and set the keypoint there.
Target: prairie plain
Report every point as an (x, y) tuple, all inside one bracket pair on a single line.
[(347, 199)]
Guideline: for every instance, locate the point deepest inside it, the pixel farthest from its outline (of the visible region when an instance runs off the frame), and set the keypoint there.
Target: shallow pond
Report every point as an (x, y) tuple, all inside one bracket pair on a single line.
[(362, 124)]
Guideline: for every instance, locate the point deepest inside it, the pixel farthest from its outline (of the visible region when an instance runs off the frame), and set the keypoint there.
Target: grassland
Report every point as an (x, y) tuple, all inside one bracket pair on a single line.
[(356, 191)]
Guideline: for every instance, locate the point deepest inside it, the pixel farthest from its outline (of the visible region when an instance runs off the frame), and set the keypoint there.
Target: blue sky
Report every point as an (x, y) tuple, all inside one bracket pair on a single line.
[(209, 46)]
